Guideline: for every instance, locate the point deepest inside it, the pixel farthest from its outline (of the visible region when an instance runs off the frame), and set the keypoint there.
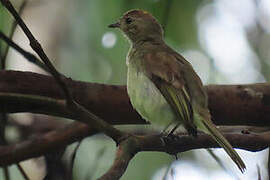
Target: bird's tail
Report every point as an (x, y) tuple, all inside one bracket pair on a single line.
[(211, 129)]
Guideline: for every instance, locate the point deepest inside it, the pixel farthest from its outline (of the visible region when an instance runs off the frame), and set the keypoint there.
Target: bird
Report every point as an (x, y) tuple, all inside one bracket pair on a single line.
[(162, 85)]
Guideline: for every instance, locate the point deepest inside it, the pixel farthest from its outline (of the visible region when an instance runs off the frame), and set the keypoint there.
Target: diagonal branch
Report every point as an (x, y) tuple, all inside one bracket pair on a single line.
[(125, 152), (12, 31), (35, 45), (83, 114), (29, 56), (43, 144)]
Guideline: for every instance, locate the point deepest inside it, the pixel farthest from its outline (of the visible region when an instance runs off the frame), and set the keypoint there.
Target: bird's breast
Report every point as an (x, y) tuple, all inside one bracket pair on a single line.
[(147, 99)]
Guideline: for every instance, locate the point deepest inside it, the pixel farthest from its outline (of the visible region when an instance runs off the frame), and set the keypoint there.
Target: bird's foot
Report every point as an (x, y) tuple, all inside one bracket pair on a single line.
[(123, 138), (173, 130), (170, 130)]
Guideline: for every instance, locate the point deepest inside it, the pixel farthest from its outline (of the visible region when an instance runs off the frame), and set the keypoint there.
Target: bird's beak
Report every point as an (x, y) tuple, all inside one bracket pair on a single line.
[(115, 25)]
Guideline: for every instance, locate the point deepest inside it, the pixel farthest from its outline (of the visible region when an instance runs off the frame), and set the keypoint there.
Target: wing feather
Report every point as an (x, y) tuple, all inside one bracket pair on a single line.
[(168, 78), (170, 72)]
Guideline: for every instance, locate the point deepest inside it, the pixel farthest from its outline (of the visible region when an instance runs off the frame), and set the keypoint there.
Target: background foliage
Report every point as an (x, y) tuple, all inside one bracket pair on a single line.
[(226, 41)]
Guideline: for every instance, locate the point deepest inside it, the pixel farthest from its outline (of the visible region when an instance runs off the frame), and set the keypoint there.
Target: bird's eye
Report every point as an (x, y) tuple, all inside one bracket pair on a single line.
[(128, 20)]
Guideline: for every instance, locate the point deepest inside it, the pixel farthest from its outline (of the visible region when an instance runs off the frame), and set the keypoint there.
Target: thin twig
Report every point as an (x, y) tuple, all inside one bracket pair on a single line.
[(38, 49), (84, 114), (23, 173), (73, 156), (6, 173), (13, 28), (29, 56)]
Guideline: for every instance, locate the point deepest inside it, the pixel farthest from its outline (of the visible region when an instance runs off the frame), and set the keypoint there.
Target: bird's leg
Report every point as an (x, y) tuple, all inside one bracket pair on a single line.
[(172, 131), (169, 132), (166, 131)]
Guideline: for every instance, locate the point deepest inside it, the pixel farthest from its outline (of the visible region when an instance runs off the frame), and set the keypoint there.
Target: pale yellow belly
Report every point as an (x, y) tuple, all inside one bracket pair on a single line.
[(147, 99)]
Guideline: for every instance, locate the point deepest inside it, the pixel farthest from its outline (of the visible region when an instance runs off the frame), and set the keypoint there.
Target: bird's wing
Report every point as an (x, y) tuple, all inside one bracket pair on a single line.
[(167, 73), (170, 72)]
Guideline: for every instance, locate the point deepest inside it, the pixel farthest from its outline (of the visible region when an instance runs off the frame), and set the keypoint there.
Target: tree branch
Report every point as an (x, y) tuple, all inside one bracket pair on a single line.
[(27, 55), (125, 152), (36, 46), (11, 33), (73, 132), (229, 104), (127, 149), (43, 144), (82, 113)]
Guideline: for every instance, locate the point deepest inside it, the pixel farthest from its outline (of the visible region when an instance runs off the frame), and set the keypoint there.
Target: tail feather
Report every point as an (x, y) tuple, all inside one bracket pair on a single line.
[(223, 142)]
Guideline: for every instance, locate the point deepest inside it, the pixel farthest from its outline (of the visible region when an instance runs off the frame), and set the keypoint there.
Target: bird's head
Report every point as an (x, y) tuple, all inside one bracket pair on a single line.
[(139, 25)]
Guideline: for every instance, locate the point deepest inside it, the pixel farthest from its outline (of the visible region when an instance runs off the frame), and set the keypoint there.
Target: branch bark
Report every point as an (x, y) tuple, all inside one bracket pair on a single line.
[(129, 148), (229, 104), (43, 144), (73, 132), (82, 113)]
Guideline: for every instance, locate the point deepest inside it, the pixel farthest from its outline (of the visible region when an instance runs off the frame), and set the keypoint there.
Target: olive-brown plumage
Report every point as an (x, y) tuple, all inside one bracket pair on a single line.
[(162, 86)]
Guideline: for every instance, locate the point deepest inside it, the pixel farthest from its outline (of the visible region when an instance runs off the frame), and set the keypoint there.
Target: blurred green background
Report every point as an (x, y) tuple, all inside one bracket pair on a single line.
[(226, 41)]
